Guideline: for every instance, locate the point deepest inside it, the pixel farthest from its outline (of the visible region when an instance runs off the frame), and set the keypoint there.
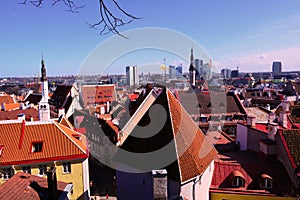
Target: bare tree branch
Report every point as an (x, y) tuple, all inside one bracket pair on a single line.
[(109, 21)]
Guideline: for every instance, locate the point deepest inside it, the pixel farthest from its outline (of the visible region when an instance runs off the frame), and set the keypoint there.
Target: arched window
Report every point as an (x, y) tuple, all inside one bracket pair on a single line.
[(237, 179), (266, 182)]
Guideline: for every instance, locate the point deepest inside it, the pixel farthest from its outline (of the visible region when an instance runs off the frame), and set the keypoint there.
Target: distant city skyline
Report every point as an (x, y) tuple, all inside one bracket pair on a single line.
[(249, 34)]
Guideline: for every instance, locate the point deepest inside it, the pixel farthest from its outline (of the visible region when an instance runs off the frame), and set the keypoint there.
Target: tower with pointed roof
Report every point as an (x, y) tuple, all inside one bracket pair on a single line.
[(44, 108), (192, 70)]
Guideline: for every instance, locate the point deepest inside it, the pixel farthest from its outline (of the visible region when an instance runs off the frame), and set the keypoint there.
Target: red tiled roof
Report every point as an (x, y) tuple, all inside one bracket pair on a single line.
[(12, 106), (196, 157), (66, 123), (192, 152), (58, 142), (6, 99), (26, 186), (133, 96), (29, 112), (211, 103), (98, 94), (291, 141), (251, 168)]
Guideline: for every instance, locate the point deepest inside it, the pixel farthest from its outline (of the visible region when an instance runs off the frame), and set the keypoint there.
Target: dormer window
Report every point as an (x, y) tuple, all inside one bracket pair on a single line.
[(36, 147), (238, 179), (266, 182)]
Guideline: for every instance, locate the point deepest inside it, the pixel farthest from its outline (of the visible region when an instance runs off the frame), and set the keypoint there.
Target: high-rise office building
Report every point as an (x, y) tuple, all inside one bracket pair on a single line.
[(226, 73), (132, 76), (198, 66), (276, 68), (178, 70), (172, 72)]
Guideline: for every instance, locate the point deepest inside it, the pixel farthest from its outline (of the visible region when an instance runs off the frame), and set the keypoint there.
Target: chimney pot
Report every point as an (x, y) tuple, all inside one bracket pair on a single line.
[(251, 120)]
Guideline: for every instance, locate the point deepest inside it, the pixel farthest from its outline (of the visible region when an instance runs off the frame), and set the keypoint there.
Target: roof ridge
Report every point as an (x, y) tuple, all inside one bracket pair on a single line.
[(136, 117), (172, 125), (71, 139)]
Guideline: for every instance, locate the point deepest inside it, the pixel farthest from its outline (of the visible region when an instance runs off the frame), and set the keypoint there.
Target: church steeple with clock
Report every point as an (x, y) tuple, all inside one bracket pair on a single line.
[(44, 110)]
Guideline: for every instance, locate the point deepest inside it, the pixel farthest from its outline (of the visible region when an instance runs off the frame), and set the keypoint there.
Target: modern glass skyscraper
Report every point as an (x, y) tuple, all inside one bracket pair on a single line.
[(132, 76), (276, 68)]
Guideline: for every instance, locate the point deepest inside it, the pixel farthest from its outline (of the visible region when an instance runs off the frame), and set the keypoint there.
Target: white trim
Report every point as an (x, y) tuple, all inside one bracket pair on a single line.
[(136, 117), (70, 137)]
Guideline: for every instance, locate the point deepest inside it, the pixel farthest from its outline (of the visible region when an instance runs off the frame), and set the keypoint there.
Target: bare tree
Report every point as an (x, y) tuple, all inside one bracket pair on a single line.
[(109, 22)]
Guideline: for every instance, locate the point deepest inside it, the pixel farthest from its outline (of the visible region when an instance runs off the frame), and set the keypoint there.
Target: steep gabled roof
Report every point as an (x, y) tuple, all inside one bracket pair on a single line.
[(26, 186), (60, 95), (58, 143), (34, 98), (291, 140), (191, 151)]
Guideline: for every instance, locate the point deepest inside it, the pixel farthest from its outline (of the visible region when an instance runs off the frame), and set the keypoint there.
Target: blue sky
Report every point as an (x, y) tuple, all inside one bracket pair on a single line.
[(250, 34)]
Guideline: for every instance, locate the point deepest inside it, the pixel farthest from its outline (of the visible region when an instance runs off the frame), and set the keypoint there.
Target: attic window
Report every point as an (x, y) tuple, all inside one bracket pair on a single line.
[(266, 182), (36, 147), (238, 181), (1, 149)]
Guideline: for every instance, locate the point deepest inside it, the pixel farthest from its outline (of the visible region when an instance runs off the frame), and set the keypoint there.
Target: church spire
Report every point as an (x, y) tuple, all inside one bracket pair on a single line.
[(44, 108), (192, 71), (43, 70), (192, 60)]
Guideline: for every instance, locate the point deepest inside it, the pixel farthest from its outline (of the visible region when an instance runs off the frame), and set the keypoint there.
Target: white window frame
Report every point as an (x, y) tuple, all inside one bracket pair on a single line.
[(238, 181), (37, 147), (264, 183), (67, 168)]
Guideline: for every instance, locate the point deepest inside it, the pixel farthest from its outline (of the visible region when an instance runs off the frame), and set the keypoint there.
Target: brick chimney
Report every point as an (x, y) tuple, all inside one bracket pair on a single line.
[(271, 117), (251, 120), (272, 130), (52, 184), (283, 115)]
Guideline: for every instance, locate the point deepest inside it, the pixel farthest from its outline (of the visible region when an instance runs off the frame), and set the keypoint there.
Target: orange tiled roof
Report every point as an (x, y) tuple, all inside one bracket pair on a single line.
[(26, 186), (13, 114), (6, 99), (98, 94), (195, 152), (58, 143), (66, 123), (12, 106)]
